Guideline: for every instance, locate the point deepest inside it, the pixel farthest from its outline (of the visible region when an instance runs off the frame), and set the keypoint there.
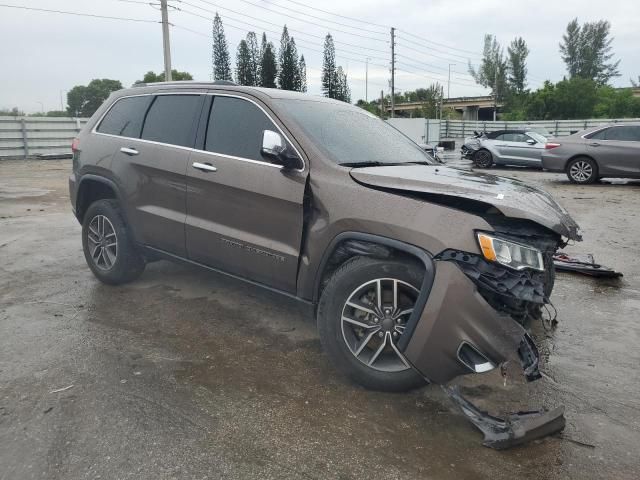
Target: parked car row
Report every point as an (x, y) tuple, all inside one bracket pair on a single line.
[(586, 156)]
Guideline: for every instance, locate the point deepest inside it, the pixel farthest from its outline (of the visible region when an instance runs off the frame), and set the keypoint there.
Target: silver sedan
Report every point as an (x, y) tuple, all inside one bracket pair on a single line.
[(605, 151), (510, 147)]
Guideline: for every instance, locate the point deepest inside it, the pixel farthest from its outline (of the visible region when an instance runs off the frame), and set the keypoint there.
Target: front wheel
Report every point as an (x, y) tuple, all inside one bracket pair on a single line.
[(582, 170), (362, 314), (483, 158)]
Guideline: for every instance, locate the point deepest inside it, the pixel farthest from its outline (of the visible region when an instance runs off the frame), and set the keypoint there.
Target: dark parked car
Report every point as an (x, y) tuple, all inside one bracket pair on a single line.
[(605, 151), (419, 272)]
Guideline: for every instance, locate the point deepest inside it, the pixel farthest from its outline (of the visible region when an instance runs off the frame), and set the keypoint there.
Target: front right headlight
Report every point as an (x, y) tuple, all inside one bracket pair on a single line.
[(510, 254)]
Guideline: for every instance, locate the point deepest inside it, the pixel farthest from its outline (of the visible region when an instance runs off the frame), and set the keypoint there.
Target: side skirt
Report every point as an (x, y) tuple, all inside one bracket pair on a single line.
[(178, 259)]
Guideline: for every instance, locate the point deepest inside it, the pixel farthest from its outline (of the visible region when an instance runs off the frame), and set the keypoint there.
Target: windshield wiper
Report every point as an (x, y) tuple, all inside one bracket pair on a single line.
[(381, 164), (365, 164)]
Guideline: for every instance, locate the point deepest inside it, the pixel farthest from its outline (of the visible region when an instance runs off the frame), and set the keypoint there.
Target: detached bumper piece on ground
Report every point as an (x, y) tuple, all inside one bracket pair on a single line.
[(515, 429), (584, 264)]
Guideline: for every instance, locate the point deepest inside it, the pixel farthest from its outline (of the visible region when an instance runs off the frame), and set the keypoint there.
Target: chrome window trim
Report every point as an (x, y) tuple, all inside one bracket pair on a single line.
[(224, 155)]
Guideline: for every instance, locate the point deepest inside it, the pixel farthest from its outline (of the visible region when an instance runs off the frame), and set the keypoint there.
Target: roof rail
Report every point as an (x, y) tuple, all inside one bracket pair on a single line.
[(183, 82)]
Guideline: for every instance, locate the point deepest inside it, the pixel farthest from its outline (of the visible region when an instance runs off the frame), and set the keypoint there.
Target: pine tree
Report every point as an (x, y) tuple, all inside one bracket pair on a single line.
[(244, 72), (254, 57), (288, 75), (302, 68), (342, 91), (268, 65), (517, 53), (329, 85), (220, 60)]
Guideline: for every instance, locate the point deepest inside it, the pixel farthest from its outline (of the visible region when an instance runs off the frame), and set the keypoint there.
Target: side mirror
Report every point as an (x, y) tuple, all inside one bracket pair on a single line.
[(531, 141), (275, 148)]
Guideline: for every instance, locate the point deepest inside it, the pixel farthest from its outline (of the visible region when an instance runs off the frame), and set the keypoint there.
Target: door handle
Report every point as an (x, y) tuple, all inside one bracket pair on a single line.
[(129, 151), (594, 144), (204, 167)]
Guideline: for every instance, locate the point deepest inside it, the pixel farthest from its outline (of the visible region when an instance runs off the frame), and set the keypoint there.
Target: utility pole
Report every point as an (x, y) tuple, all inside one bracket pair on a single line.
[(393, 72), (495, 94), (366, 81), (381, 103), (441, 100), (449, 80), (166, 46)]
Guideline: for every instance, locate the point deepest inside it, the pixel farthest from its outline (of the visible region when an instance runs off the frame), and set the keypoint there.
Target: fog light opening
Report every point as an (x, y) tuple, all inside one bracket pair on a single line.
[(473, 359)]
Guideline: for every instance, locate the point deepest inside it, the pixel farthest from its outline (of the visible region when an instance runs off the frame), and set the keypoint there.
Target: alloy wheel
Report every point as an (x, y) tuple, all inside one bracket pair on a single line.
[(102, 242), (581, 171), (483, 159), (373, 319)]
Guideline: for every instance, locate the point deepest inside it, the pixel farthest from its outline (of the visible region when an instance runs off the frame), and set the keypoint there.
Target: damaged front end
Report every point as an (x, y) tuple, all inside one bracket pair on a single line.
[(478, 314)]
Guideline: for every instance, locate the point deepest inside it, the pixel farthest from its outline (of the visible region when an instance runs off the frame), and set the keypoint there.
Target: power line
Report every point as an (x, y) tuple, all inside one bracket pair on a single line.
[(338, 15), (299, 42), (267, 22), (425, 53), (140, 20), (327, 20), (435, 78), (458, 58), (423, 64), (243, 29), (296, 18), (475, 54)]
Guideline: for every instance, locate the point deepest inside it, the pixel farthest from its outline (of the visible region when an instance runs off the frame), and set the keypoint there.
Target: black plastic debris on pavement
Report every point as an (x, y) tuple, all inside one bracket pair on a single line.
[(584, 264)]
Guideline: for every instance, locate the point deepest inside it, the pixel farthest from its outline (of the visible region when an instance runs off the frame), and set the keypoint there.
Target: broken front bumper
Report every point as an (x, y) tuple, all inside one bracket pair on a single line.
[(456, 315), (459, 332)]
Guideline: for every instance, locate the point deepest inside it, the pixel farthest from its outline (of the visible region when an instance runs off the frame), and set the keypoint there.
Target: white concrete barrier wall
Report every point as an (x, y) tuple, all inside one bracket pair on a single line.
[(23, 137)]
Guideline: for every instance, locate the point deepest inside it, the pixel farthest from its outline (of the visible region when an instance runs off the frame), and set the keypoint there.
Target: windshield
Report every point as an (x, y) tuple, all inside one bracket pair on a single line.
[(351, 135)]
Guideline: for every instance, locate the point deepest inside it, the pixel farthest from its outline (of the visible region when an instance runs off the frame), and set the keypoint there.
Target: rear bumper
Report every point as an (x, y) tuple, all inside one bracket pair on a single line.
[(73, 193), (456, 314), (553, 162)]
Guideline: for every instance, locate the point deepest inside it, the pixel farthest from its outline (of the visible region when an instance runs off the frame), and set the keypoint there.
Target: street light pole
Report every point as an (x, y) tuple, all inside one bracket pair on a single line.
[(366, 80), (166, 45), (449, 80)]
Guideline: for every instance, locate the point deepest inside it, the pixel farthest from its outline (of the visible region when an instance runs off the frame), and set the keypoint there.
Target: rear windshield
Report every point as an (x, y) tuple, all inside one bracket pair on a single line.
[(349, 134)]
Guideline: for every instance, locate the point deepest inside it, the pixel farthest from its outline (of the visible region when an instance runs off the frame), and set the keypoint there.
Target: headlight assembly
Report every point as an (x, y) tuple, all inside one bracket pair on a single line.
[(510, 254)]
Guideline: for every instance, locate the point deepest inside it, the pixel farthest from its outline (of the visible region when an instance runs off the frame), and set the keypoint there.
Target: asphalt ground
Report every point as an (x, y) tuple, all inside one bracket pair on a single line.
[(186, 374)]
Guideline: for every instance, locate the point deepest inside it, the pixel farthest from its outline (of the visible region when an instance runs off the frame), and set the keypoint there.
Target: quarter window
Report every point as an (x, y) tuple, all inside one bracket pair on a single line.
[(600, 134), (236, 127), (171, 119), (125, 117)]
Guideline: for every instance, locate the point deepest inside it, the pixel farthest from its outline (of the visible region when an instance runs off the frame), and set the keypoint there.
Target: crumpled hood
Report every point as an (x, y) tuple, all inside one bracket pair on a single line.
[(512, 197)]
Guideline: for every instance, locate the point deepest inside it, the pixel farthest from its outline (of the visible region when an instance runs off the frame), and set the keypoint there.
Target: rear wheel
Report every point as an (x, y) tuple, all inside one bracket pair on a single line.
[(361, 316), (108, 246), (483, 158), (582, 170)]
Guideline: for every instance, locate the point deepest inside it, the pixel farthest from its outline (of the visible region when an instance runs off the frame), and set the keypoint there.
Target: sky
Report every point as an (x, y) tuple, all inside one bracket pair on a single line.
[(45, 54)]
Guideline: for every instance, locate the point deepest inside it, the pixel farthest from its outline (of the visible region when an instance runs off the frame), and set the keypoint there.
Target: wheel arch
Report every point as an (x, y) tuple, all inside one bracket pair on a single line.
[(92, 188), (347, 245)]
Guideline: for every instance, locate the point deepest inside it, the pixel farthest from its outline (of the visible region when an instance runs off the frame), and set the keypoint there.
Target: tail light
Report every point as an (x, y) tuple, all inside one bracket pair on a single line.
[(550, 145), (75, 145)]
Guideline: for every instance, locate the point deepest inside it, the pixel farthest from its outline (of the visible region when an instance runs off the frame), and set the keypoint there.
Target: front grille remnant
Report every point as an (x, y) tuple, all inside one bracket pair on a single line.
[(519, 293)]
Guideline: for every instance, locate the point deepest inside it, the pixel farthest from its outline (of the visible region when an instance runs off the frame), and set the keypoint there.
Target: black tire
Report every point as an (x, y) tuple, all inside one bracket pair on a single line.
[(483, 158), (126, 263), (582, 170), (345, 281)]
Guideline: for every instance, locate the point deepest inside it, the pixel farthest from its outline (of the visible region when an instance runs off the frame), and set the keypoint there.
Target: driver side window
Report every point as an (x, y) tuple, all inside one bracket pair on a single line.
[(236, 127)]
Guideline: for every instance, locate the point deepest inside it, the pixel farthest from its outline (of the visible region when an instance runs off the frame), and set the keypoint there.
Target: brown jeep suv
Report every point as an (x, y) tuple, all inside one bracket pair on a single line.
[(418, 271)]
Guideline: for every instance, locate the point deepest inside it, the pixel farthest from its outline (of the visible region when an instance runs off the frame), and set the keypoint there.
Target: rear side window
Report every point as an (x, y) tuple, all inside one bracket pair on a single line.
[(236, 127), (628, 134), (125, 117), (171, 119)]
